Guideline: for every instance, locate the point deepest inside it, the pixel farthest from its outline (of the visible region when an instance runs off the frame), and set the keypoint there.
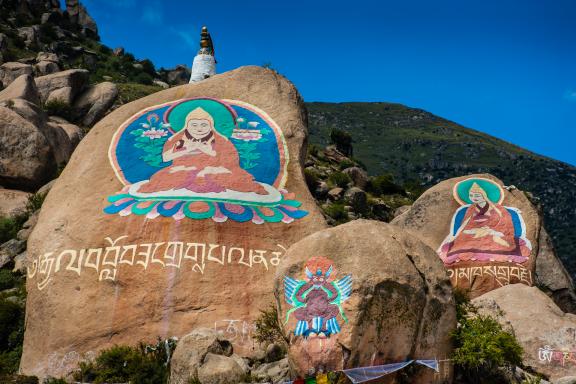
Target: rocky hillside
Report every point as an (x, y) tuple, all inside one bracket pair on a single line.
[(415, 145)]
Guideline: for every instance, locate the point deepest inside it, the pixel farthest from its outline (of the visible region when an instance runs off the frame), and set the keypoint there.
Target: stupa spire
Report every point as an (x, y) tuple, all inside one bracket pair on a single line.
[(204, 64)]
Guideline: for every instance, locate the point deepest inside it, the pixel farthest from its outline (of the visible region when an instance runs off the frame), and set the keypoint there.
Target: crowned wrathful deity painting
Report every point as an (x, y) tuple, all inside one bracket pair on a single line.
[(202, 159), (482, 229)]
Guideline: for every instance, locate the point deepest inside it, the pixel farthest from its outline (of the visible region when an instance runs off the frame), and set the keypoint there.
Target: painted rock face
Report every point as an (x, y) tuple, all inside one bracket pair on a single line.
[(486, 236), (173, 214), (361, 294)]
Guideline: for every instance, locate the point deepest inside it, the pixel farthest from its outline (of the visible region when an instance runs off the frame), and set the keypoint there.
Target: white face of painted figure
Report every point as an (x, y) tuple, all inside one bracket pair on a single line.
[(477, 198), (199, 128), (318, 279)]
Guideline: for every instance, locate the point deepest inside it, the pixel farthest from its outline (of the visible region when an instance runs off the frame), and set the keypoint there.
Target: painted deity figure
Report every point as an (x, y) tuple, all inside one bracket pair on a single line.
[(485, 230), (317, 300), (203, 161)]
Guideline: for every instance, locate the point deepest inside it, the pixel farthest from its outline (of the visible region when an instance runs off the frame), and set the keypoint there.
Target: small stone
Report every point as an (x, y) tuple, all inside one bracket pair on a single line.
[(335, 193), (10, 249), (218, 369), (274, 352), (358, 175)]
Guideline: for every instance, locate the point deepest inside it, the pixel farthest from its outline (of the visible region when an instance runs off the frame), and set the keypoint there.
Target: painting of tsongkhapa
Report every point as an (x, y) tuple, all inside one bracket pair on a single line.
[(202, 159), (317, 300), (482, 229)]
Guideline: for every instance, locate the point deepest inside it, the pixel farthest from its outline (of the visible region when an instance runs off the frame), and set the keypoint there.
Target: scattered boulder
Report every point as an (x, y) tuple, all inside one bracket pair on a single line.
[(31, 35), (321, 190), (9, 250), (335, 193), (118, 51), (551, 275), (357, 199), (27, 110), (53, 17), (76, 79), (191, 351), (47, 56), (63, 138), (358, 175), (24, 88), (179, 75), (274, 352), (13, 202), (162, 84), (400, 303), (46, 68), (78, 14), (27, 227), (20, 263), (484, 245), (63, 95), (12, 70), (26, 159), (156, 298), (218, 369), (274, 372), (92, 105), (545, 332)]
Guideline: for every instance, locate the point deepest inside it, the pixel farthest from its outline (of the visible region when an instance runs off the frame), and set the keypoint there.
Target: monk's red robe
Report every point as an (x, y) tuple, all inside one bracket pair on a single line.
[(186, 172), (486, 234)]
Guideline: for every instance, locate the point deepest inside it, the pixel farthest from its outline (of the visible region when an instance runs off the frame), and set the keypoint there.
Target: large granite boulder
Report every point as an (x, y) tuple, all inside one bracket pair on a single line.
[(172, 214), (26, 160), (191, 352), (78, 14), (551, 275), (94, 102), (13, 70), (63, 137), (24, 88), (76, 79), (547, 335), (12, 202), (485, 243), (45, 67), (363, 293)]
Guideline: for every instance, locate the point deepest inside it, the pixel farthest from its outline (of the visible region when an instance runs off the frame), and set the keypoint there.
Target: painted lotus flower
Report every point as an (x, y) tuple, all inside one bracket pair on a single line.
[(155, 133)]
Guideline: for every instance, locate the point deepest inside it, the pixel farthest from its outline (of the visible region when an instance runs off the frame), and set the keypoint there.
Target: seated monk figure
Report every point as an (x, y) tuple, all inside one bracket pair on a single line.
[(485, 231), (203, 161)]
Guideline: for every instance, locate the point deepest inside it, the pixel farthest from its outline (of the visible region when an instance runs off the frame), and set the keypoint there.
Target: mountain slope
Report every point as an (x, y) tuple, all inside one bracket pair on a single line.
[(415, 145)]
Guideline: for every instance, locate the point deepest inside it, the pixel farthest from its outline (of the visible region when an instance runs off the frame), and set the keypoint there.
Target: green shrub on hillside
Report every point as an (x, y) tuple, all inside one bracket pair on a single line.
[(60, 108), (342, 140), (481, 345), (9, 226), (144, 364), (311, 178), (337, 212), (384, 185), (11, 336), (339, 179), (268, 327), (128, 92)]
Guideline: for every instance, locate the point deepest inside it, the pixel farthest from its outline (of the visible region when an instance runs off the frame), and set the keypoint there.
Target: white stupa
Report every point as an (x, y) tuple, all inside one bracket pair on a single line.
[(204, 64)]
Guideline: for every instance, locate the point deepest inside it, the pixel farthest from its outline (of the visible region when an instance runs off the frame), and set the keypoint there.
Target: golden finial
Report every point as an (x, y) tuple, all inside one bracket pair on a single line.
[(206, 46)]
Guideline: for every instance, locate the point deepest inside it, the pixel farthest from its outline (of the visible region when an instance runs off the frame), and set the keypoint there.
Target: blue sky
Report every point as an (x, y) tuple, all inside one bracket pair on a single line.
[(506, 67)]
